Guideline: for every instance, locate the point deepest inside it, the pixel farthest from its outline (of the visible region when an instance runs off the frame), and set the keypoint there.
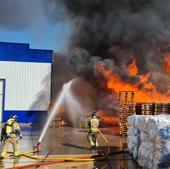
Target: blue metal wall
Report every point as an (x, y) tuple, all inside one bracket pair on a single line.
[(25, 116), (22, 53)]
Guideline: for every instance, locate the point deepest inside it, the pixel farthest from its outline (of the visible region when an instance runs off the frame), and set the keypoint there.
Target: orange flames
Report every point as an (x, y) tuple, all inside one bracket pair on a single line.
[(132, 69), (148, 93), (108, 120)]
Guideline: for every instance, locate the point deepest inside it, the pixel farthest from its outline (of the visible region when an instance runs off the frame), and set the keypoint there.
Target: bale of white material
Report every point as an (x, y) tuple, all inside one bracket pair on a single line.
[(146, 151), (135, 152), (139, 122), (133, 143), (144, 137), (149, 139), (132, 131), (154, 126), (131, 120), (162, 144), (133, 140)]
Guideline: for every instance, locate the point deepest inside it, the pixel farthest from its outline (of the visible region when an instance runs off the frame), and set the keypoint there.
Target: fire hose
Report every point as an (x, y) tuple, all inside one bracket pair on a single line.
[(65, 159), (85, 158)]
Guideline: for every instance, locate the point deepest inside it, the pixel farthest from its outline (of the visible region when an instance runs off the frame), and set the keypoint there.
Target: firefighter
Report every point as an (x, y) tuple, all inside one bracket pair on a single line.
[(93, 125), (13, 131)]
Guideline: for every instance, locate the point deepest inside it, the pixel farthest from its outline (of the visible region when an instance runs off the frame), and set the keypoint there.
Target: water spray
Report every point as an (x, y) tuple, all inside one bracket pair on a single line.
[(56, 108)]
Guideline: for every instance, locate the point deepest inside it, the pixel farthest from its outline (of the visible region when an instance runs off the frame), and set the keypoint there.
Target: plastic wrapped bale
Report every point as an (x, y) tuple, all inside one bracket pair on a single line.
[(133, 147), (133, 141), (162, 149), (159, 133), (142, 122), (153, 149), (146, 153), (155, 125), (131, 120), (133, 131), (144, 137)]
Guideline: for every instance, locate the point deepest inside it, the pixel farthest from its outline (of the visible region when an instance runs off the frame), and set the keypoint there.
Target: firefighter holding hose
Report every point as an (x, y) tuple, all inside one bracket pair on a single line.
[(93, 125), (10, 132)]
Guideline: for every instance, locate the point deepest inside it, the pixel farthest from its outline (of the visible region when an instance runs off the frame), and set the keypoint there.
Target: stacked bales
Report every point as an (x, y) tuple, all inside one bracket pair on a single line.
[(149, 140)]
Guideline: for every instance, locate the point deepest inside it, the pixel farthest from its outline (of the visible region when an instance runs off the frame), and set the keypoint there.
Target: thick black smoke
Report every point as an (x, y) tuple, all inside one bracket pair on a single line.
[(115, 32), (111, 32)]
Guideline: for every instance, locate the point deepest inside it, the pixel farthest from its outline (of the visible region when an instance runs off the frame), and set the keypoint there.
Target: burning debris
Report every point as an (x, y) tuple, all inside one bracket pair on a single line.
[(119, 45), (115, 45), (144, 88), (108, 119)]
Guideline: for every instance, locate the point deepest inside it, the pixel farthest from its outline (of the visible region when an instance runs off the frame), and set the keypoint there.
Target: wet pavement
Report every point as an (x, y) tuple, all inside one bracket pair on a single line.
[(68, 141)]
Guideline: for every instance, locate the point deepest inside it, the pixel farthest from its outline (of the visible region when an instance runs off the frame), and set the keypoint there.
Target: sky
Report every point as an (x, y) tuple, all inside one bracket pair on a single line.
[(52, 37), (25, 21)]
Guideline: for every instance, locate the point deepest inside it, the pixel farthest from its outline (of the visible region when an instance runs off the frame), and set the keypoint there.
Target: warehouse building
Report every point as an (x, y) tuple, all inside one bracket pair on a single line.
[(25, 82)]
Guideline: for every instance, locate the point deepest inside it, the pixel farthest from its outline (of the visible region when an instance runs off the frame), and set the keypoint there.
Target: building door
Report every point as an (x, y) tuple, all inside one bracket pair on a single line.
[(1, 98)]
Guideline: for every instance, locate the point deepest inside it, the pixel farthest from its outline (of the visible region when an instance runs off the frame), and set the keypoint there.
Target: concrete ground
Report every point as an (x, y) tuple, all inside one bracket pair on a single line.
[(72, 142)]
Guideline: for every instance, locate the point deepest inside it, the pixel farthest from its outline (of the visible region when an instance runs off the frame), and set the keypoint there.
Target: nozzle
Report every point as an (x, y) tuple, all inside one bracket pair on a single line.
[(37, 146)]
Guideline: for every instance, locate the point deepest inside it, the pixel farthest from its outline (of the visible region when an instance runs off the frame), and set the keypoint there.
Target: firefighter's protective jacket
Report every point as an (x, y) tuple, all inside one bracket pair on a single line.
[(12, 128), (93, 124)]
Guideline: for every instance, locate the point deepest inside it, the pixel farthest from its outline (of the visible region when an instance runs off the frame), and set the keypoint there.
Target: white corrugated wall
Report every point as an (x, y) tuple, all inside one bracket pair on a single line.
[(27, 86)]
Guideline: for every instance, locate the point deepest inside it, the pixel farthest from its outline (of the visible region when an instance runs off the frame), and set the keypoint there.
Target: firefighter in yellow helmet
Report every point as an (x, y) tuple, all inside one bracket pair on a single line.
[(93, 125), (12, 131)]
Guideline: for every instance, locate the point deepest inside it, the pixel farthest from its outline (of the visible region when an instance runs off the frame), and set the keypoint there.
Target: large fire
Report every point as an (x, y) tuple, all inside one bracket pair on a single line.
[(132, 69), (148, 93), (108, 120)]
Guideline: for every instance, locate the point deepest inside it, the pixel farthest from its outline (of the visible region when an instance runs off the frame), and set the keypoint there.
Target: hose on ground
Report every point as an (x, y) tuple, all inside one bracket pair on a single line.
[(82, 158)]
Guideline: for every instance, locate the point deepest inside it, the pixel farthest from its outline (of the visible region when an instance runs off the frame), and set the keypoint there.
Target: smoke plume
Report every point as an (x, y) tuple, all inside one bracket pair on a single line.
[(111, 33), (19, 15), (115, 33)]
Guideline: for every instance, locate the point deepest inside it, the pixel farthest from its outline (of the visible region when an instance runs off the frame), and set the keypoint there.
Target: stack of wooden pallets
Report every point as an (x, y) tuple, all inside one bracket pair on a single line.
[(127, 108), (162, 108), (146, 108)]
